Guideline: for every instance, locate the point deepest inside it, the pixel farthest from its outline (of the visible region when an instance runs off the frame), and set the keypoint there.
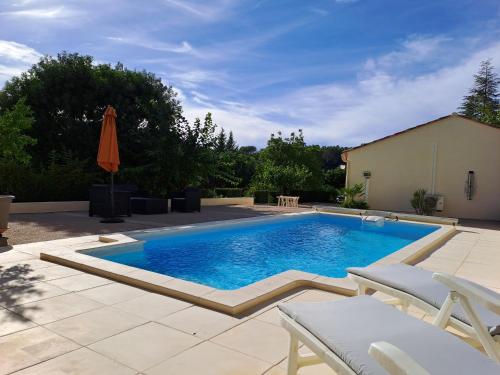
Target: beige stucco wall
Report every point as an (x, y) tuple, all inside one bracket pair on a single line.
[(45, 207), (399, 165), (243, 201)]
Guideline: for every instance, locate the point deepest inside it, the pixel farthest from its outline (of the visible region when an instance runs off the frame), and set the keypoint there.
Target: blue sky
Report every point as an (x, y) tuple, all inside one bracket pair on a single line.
[(344, 71)]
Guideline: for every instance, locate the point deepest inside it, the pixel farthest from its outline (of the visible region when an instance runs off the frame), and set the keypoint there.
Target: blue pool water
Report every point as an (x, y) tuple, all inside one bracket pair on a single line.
[(232, 256)]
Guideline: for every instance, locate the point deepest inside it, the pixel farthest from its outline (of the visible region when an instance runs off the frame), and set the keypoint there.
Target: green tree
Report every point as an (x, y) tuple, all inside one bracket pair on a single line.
[(482, 102), (221, 141), (14, 124), (68, 95), (288, 164), (231, 143), (334, 178), (248, 150)]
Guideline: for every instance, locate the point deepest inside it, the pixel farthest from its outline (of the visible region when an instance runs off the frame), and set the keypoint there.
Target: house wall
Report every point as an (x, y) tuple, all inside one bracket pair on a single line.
[(450, 147)]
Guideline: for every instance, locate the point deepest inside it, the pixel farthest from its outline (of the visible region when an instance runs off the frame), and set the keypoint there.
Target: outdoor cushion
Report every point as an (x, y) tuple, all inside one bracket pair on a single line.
[(349, 326), (419, 283)]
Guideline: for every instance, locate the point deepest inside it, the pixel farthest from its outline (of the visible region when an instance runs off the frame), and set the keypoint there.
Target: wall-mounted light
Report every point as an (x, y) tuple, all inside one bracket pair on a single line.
[(469, 185)]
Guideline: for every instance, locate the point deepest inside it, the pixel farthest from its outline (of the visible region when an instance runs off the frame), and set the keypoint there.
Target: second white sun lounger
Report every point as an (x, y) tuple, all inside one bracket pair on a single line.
[(462, 310), (341, 334)]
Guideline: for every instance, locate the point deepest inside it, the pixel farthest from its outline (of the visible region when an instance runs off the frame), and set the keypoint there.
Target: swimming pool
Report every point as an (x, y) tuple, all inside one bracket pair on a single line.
[(234, 255)]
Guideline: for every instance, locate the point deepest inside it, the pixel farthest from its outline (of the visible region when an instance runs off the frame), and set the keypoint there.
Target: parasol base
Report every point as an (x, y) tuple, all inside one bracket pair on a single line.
[(111, 220)]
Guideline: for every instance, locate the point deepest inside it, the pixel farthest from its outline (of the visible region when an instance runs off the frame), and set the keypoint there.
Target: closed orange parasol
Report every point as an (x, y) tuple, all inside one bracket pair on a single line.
[(108, 157)]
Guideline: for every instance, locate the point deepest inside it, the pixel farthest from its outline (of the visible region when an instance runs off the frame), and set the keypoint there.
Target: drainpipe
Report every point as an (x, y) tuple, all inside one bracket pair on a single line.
[(434, 168), (344, 157), (367, 188)]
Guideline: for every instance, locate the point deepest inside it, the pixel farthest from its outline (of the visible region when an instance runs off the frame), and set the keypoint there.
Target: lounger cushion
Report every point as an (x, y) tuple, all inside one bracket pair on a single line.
[(419, 283), (349, 326)]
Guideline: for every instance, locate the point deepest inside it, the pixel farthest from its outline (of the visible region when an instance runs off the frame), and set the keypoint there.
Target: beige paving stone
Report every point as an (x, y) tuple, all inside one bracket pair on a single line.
[(26, 348), (484, 255), (95, 325), (188, 287), (486, 243), (10, 322), (152, 306), (24, 274), (209, 359), (455, 252), (485, 274), (31, 263), (14, 256), (296, 274), (145, 346), (28, 293), (150, 277), (316, 296), (80, 282), (110, 294), (270, 316), (56, 308), (13, 274), (234, 297), (276, 370), (319, 369), (437, 264), (79, 362), (200, 322), (271, 283), (466, 235), (257, 339), (110, 266)]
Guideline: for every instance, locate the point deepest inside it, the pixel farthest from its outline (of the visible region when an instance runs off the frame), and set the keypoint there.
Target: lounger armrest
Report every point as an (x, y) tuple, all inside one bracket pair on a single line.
[(474, 292), (394, 360)]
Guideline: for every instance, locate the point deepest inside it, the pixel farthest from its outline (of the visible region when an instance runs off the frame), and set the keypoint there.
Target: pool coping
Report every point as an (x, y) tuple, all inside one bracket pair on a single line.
[(233, 302)]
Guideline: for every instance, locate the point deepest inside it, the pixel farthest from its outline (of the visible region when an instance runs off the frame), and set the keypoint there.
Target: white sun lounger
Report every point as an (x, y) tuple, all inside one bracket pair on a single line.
[(453, 301), (363, 336)]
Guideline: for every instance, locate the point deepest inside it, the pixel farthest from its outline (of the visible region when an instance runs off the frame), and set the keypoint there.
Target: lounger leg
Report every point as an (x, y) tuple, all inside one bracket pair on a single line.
[(482, 333), (361, 290), (293, 355), (444, 314), (404, 306)]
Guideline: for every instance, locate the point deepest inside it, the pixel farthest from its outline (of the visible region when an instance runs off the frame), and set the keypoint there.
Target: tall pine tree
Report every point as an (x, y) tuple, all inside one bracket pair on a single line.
[(482, 103), (231, 143)]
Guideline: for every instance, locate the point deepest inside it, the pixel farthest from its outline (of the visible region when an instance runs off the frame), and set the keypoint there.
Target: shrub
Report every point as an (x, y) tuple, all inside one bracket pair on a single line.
[(264, 196), (423, 203), (350, 194), (64, 179)]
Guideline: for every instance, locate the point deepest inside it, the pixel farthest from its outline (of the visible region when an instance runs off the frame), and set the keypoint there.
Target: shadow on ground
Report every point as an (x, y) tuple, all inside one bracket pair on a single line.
[(17, 285)]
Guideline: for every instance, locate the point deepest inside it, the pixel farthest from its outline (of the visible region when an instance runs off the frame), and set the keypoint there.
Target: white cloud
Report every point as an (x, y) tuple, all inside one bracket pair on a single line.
[(10, 50), (41, 13), (376, 105), (192, 79), (207, 11), (15, 58), (414, 50), (183, 47)]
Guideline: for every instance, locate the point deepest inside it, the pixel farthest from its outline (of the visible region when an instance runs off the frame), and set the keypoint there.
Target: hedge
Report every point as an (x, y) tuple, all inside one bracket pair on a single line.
[(222, 193)]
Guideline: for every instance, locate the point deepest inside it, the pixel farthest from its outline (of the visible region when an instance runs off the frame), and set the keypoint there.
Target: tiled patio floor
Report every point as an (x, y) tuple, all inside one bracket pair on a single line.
[(56, 320)]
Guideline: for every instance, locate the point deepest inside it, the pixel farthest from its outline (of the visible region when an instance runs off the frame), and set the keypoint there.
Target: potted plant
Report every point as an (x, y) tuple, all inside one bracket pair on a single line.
[(423, 203), (5, 201)]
